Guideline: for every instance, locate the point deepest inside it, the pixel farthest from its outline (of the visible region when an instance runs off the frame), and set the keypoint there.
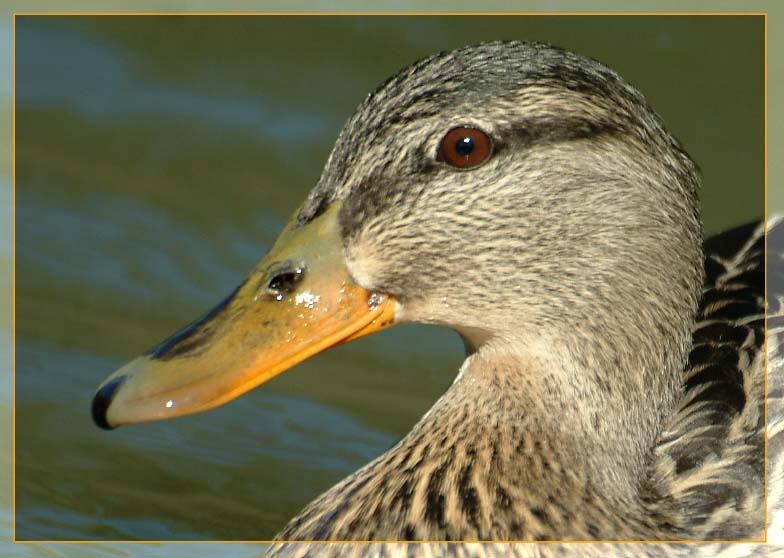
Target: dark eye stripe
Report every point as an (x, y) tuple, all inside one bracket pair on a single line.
[(555, 130)]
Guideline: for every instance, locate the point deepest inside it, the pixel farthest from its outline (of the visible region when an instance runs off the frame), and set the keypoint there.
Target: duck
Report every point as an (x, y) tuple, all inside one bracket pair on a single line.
[(530, 199)]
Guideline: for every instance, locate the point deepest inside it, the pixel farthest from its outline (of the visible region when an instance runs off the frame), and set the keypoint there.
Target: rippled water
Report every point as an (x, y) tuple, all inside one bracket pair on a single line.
[(157, 158)]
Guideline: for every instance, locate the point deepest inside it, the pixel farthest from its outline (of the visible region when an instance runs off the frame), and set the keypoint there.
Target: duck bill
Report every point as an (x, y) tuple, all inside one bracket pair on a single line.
[(298, 301)]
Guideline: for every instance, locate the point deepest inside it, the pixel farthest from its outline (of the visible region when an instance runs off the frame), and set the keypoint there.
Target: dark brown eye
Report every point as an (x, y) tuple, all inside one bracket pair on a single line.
[(465, 147)]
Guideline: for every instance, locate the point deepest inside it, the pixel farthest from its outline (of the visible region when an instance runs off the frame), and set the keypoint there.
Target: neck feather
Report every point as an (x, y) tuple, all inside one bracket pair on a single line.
[(523, 447)]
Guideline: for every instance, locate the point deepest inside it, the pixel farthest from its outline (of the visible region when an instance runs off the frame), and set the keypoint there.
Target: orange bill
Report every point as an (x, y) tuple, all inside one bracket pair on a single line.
[(298, 301)]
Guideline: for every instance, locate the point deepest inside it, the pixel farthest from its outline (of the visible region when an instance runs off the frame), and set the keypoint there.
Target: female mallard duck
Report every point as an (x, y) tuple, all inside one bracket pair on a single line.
[(530, 199)]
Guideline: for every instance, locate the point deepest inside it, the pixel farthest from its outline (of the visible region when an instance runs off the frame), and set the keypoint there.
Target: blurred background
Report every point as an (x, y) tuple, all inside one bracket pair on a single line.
[(156, 160)]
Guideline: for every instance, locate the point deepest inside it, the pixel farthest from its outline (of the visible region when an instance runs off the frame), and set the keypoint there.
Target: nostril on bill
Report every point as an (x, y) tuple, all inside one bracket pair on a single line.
[(285, 281)]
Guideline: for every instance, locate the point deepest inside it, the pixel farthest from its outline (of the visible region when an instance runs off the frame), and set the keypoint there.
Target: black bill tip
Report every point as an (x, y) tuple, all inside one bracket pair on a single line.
[(102, 400)]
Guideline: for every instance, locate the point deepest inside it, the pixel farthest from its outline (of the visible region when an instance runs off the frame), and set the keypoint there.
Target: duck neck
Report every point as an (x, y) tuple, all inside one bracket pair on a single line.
[(602, 430), (564, 445), (525, 445)]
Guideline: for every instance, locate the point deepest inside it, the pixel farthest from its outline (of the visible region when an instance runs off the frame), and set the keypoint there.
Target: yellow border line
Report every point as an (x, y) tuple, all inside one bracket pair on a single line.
[(765, 279), (359, 14), (13, 282), (389, 14), (466, 541)]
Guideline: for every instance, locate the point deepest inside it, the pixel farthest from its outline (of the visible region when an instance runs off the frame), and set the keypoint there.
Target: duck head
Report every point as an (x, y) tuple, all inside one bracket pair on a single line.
[(522, 195)]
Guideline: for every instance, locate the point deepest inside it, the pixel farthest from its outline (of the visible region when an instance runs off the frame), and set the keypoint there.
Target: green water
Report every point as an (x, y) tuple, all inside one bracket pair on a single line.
[(158, 157)]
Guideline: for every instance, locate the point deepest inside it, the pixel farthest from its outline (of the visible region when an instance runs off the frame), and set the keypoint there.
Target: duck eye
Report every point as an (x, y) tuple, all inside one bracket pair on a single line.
[(465, 148)]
